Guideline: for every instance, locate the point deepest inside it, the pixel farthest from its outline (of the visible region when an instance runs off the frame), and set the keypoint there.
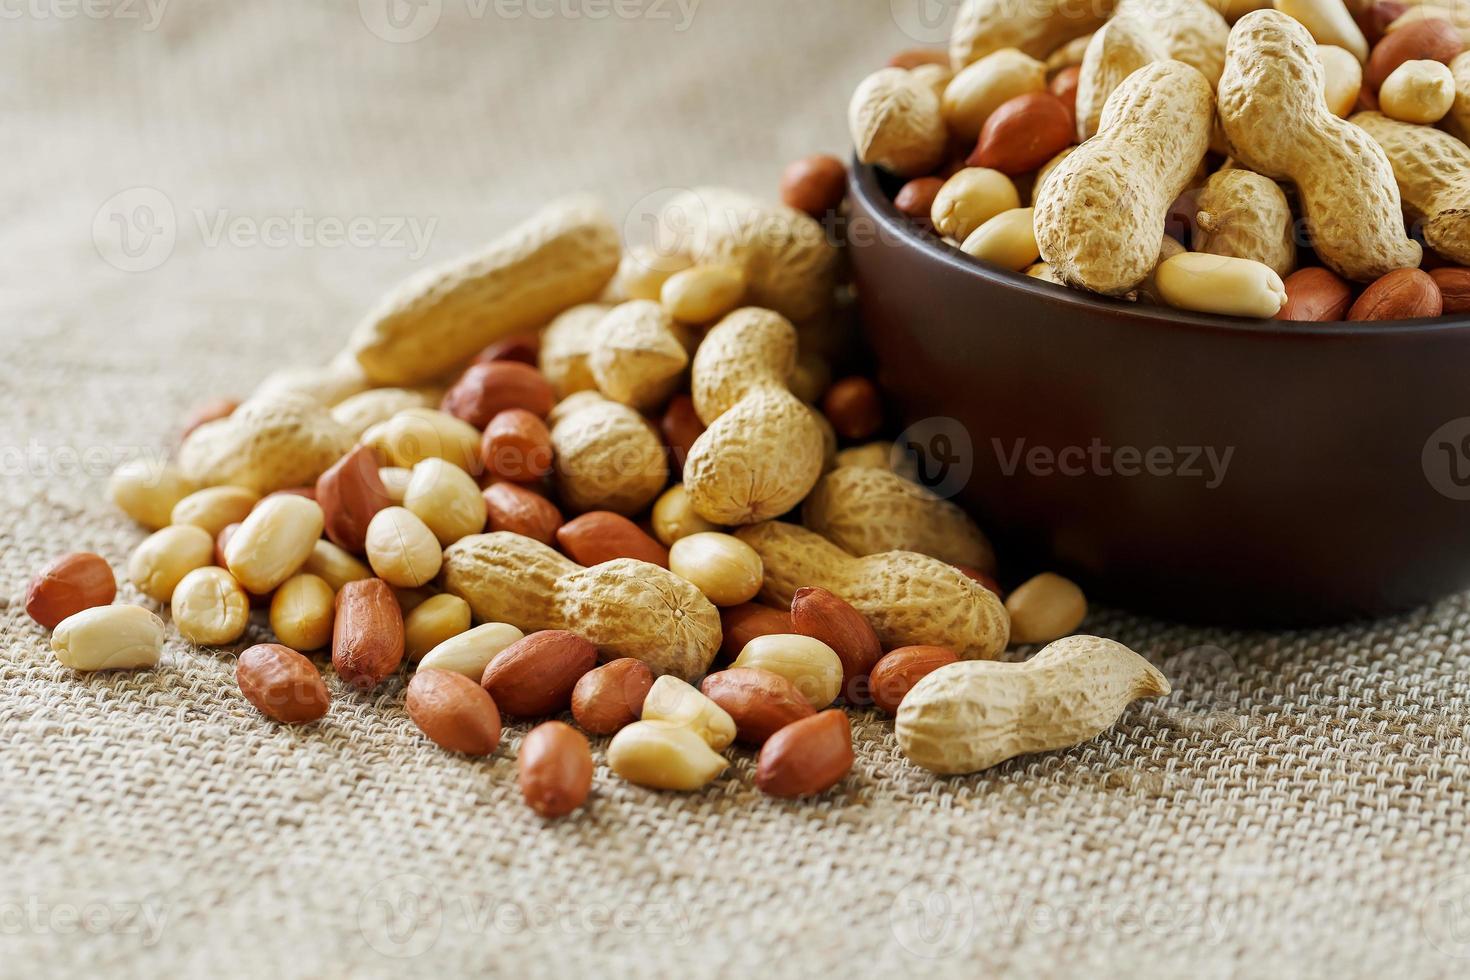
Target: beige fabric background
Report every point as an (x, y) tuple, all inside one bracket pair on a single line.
[(1297, 807)]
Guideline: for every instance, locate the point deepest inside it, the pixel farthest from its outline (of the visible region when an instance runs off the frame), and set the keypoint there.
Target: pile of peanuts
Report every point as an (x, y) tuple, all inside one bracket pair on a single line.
[(1304, 163)]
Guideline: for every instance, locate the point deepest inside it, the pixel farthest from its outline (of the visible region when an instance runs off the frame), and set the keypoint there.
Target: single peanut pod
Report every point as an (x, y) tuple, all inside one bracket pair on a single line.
[(1118, 49), (1220, 284), (148, 492), (636, 356), (302, 611), (209, 607), (607, 457), (269, 443), (274, 542), (1191, 31), (1418, 92), (1044, 608), (163, 559), (703, 293), (432, 622), (663, 755), (109, 638), (970, 198), (1329, 23), (567, 343), (402, 549), (1246, 215), (1007, 240), (677, 702), (1342, 79), (983, 26), (896, 123), (1433, 173), (446, 499)]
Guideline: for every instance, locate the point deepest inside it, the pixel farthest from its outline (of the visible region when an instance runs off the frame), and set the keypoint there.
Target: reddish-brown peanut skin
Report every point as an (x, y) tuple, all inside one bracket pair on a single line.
[(1427, 40), (745, 622), (601, 535), (680, 427), (68, 585), (282, 684), (901, 669), (351, 492), (1316, 295), (1024, 133), (555, 769), (516, 446), (522, 347), (853, 407), (815, 184), (1403, 294), (513, 508), (485, 390), (916, 198), (1454, 288), (807, 757), (367, 635), (761, 703), (456, 713), (535, 676), (823, 616), (611, 697), (1064, 87)]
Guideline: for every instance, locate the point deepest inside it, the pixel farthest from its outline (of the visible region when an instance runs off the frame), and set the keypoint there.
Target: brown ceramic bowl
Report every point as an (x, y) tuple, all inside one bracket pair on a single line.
[(1078, 431)]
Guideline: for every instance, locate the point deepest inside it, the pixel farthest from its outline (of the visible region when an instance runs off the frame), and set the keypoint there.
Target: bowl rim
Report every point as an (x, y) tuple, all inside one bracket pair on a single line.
[(864, 185)]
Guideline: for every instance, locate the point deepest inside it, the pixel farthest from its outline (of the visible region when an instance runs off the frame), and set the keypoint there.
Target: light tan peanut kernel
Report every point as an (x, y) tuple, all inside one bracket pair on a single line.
[(1342, 79), (401, 548), (1154, 133), (1044, 608), (763, 449), (163, 559), (209, 607), (877, 454), (274, 542), (812, 377), (410, 599), (606, 456), (979, 89), (109, 638), (1329, 23), (809, 664), (869, 510), (417, 434), (1008, 240), (896, 123), (367, 409), (215, 508), (624, 607), (1044, 272), (267, 444), (566, 344), (395, 481), (1233, 10), (436, 619), (674, 517), (302, 612), (335, 565), (431, 325), (1118, 49), (328, 385), (675, 701), (724, 568), (1275, 116), (1246, 215), (1148, 290), (663, 755), (1433, 173), (1220, 284), (790, 263), (1418, 92), (636, 357), (644, 270), (970, 198), (1039, 28), (936, 77), (908, 598), (471, 651), (445, 498), (704, 293), (148, 492), (970, 716)]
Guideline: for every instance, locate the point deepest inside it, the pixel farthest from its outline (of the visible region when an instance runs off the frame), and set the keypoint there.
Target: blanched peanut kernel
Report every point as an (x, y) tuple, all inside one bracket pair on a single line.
[(402, 549), (1008, 240), (663, 755), (679, 703), (969, 199), (1223, 284), (704, 293), (674, 517), (215, 508), (109, 638), (274, 542), (447, 499), (210, 608), (808, 663), (1418, 92), (302, 612), (1045, 608), (147, 492), (727, 570), (433, 621), (163, 559)]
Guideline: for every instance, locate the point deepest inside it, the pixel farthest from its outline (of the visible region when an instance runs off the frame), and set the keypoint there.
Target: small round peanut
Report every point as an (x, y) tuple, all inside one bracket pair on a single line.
[(302, 611), (1008, 240), (273, 542), (811, 665), (148, 492), (517, 446), (1045, 608), (704, 293), (335, 565), (981, 87), (727, 570), (163, 559), (1221, 284), (1418, 92), (644, 270), (209, 607), (674, 517), (446, 499), (814, 184), (969, 199), (663, 755), (513, 508), (433, 621), (680, 703), (401, 548), (215, 508)]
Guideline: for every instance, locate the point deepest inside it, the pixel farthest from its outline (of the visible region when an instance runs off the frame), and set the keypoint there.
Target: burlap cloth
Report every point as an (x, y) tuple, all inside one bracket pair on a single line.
[(1296, 808)]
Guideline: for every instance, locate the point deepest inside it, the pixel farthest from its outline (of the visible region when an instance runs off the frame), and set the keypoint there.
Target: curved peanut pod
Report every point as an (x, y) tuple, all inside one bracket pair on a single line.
[(626, 608), (1275, 116), (970, 716), (607, 457), (908, 598), (1433, 172), (1245, 215), (1191, 31), (1118, 49), (1039, 28), (1100, 215)]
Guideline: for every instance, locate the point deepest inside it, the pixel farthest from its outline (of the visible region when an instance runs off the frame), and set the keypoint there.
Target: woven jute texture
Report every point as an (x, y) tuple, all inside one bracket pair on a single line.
[(199, 193)]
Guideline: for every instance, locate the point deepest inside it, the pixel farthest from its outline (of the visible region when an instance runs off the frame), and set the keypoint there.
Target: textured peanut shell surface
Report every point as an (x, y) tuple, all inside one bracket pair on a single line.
[(1037, 28), (1100, 215), (1276, 120), (970, 716), (789, 263), (636, 357), (1191, 31), (763, 450), (908, 598), (607, 457), (867, 510), (1246, 215), (1118, 49), (566, 346), (1433, 172), (897, 123), (433, 324), (626, 608), (267, 444), (1457, 123)]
